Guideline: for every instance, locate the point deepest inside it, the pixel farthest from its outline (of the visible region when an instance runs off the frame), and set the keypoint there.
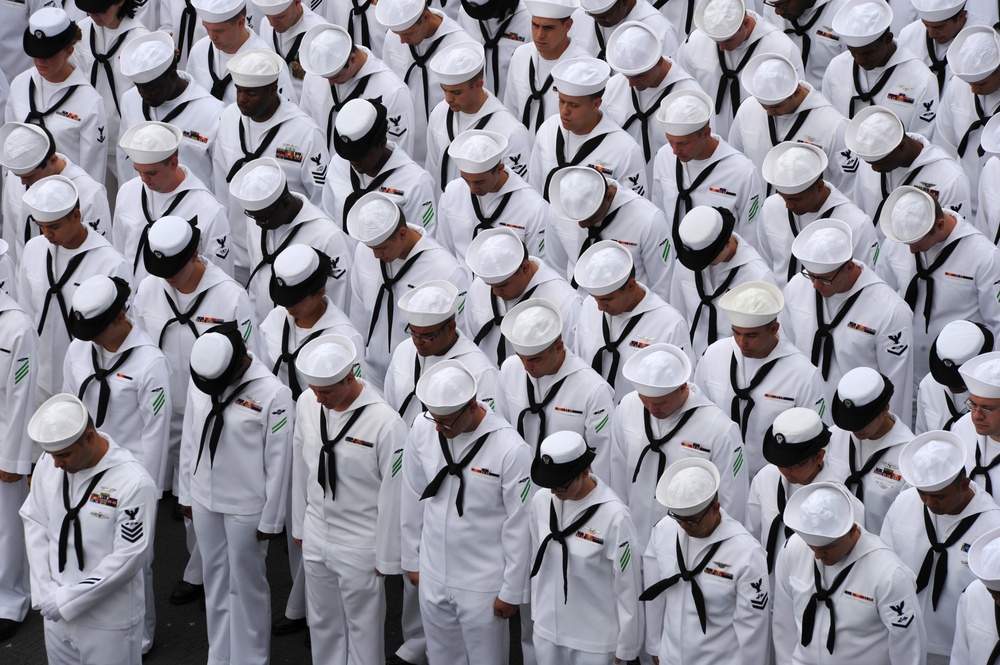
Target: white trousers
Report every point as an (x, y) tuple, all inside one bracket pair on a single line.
[(345, 601), (237, 596), (414, 646), (528, 656), (67, 643), (15, 593), (551, 653), (460, 626), (295, 608)]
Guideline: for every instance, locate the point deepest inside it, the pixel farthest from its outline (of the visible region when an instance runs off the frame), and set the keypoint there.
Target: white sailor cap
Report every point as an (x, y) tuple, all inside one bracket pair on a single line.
[(23, 147), (792, 167), (974, 54), (596, 7), (771, 78), (684, 112), (719, 19), (217, 11), (634, 48), (95, 296), (532, 326), (958, 342), (258, 184), (823, 246), (657, 370), (908, 215), (272, 7), (430, 303), (984, 559), (495, 254), (820, 513), (862, 395), (325, 49), (752, 304), (147, 57), (688, 486), (458, 63), (326, 360), (373, 219), (860, 22), (576, 192), (873, 133), (555, 9), (398, 15), (700, 227), (295, 264), (604, 268), (151, 142), (58, 423), (256, 68), (579, 77), (935, 11), (932, 460), (982, 375), (796, 435), (446, 387), (562, 456), (477, 151), (49, 31), (50, 199), (989, 138), (170, 235)]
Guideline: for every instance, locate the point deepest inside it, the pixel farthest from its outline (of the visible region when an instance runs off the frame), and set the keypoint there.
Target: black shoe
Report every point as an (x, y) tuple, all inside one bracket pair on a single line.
[(7, 629), (394, 659), (286, 626), (185, 592)]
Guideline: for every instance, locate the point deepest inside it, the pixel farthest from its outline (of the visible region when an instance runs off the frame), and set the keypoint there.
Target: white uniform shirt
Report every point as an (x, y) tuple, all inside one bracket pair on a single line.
[(815, 28), (876, 332), (594, 37), (8, 271), (13, 22), (18, 367), (792, 382), (706, 434), (915, 39), (976, 629), (533, 99), (358, 18), (986, 448), (733, 583), (181, 21), (988, 210), (937, 406), (203, 53), (286, 44), (500, 38), (904, 531)]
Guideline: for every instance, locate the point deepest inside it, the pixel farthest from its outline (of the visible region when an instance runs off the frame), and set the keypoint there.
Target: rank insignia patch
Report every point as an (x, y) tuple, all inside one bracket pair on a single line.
[(132, 529)]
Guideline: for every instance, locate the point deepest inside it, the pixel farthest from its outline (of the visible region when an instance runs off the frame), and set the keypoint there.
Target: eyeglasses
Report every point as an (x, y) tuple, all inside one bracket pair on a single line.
[(445, 423), (826, 281), (426, 337), (988, 410), (692, 520)]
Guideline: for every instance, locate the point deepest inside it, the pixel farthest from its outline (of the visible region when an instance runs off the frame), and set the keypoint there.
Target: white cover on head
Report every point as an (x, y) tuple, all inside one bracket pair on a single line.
[(272, 7), (719, 19), (217, 11), (823, 246), (771, 78), (151, 142), (684, 112), (603, 268), (147, 57), (51, 198), (22, 147), (372, 219), (633, 48), (169, 235), (430, 303), (50, 21), (210, 355), (860, 386), (959, 342), (554, 9), (797, 425), (255, 68), (495, 254), (562, 447), (974, 54), (982, 375), (908, 215), (935, 11), (820, 513), (700, 227), (792, 167), (95, 296), (326, 360), (688, 486), (657, 370), (752, 304), (873, 133), (458, 63), (984, 559), (860, 22), (532, 326), (932, 460), (595, 7), (576, 192), (477, 151), (398, 15), (356, 119), (446, 387), (258, 184), (581, 76), (58, 423), (325, 49), (295, 264)]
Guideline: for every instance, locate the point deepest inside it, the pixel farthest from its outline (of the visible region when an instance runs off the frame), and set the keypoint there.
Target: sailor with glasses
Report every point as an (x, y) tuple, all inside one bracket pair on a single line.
[(706, 588), (942, 393), (842, 315), (980, 427)]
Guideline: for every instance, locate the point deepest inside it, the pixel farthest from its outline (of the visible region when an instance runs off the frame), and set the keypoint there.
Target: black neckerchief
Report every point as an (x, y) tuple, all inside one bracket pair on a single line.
[(70, 519), (741, 395), (689, 576), (101, 376), (452, 468), (327, 472), (56, 287), (559, 536)]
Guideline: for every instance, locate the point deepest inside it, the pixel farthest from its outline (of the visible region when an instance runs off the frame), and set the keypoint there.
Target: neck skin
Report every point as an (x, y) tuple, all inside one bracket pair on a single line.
[(433, 23), (555, 56), (501, 181), (61, 75), (309, 320), (117, 334), (175, 182), (821, 198), (412, 238), (475, 418), (596, 120), (911, 150), (350, 398), (637, 297), (385, 154), (179, 85), (192, 282), (967, 498), (482, 100), (728, 252), (267, 113), (887, 423), (243, 40), (78, 239)]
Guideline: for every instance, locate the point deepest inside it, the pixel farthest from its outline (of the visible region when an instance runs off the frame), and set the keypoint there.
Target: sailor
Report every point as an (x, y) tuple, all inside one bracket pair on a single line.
[(14, 21), (468, 105), (728, 35), (953, 511), (600, 18), (803, 195), (620, 315), (262, 124), (88, 524), (465, 522), (977, 628), (339, 70), (166, 94), (57, 95), (942, 393), (488, 194), (713, 259), (876, 71), (952, 275), (235, 458), (392, 257), (346, 456), (644, 79), (183, 296), (282, 217), (894, 158), (588, 207), (755, 372), (529, 93), (430, 310), (501, 26), (53, 266), (782, 108), (988, 214), (971, 98), (868, 439), (180, 21), (358, 18), (840, 593), (18, 367), (286, 25), (417, 34), (581, 507), (980, 428), (706, 577), (29, 153), (699, 167), (930, 36), (809, 25), (842, 315), (366, 160), (581, 135), (165, 187), (228, 33), (504, 276)]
